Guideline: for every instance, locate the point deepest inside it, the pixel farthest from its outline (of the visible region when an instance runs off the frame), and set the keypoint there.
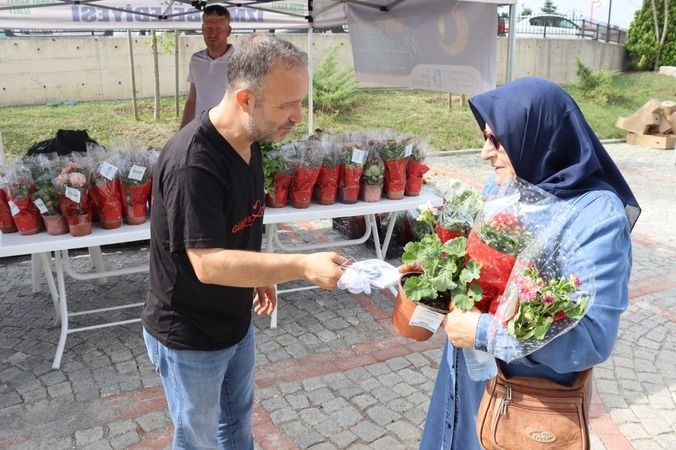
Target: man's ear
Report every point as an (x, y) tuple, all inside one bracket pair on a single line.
[(245, 99)]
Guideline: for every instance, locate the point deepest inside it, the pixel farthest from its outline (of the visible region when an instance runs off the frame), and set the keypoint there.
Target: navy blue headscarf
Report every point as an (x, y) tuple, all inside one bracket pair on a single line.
[(549, 142)]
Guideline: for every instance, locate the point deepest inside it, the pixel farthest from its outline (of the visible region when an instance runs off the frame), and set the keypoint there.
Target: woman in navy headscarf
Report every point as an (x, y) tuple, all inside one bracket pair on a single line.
[(535, 131)]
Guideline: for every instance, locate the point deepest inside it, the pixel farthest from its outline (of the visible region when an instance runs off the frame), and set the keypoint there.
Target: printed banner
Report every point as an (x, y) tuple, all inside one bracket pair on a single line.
[(445, 46)]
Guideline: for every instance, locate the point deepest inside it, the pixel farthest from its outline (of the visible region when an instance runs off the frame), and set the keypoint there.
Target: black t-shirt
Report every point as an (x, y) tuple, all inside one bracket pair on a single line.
[(204, 196)]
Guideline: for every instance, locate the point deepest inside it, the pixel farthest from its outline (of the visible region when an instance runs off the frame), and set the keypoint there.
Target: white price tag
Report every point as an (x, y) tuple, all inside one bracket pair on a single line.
[(41, 205), (357, 156), (73, 194), (425, 318), (107, 170), (136, 172), (13, 208), (408, 151)]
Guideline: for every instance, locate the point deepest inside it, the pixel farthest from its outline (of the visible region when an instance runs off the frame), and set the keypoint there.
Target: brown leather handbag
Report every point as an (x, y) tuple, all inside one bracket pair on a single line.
[(527, 413)]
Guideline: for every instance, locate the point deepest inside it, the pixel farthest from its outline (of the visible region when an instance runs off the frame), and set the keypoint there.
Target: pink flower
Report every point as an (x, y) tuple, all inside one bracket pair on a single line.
[(548, 298), (575, 280), (77, 179), (527, 289), (505, 221)]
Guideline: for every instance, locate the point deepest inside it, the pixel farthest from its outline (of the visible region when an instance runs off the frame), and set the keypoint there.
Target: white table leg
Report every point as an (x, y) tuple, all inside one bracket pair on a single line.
[(388, 233), (376, 235), (36, 272), (53, 292), (63, 307), (97, 261)]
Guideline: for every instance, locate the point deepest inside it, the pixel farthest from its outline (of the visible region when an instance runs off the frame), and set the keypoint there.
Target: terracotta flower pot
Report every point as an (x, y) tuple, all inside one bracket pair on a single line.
[(372, 192), (135, 214), (348, 182), (446, 235), (55, 224), (135, 204), (301, 187), (107, 199), (326, 189), (80, 225), (401, 316), (28, 219)]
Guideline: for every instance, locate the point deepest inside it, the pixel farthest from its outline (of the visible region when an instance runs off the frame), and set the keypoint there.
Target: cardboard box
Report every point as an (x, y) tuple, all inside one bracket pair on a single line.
[(665, 126), (641, 121), (659, 141), (668, 107)]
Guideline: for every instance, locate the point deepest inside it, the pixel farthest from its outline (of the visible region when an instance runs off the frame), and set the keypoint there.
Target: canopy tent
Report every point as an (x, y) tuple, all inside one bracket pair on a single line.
[(442, 45)]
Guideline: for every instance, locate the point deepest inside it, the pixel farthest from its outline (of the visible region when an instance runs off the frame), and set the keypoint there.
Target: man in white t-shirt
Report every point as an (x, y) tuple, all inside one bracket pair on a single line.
[(208, 72)]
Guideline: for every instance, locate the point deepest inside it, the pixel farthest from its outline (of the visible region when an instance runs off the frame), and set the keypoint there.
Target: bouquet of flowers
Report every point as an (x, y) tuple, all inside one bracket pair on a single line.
[(373, 175), (7, 224), (511, 217), (393, 152), (458, 212), (45, 197), (549, 291)]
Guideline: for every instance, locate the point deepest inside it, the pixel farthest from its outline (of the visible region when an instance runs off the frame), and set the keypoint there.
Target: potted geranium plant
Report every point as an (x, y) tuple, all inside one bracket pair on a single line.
[(326, 188), (20, 187), (135, 186), (304, 178), (46, 199), (373, 176), (106, 192), (74, 200), (438, 276), (416, 167), (7, 224), (277, 171), (393, 154), (351, 156)]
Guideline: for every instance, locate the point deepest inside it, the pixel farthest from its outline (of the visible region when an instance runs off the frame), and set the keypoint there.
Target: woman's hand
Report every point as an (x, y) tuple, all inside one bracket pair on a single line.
[(461, 326)]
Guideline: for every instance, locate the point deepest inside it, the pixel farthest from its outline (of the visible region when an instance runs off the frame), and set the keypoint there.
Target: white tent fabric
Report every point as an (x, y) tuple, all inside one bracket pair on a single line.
[(442, 45), (184, 15)]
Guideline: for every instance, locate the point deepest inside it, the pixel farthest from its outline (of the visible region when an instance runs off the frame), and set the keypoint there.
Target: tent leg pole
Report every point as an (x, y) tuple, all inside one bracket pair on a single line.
[(176, 69), (156, 67), (310, 103), (133, 76), (511, 44)]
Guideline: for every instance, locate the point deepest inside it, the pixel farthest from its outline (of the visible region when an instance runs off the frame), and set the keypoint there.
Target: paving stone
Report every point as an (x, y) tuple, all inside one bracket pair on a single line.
[(88, 436), (367, 431)]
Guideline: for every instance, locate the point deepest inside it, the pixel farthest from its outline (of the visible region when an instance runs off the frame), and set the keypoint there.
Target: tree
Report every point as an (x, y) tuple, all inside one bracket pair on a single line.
[(526, 11), (548, 7), (651, 39)]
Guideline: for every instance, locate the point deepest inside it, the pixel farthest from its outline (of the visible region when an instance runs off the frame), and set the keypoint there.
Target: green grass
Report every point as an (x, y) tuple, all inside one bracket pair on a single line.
[(420, 112)]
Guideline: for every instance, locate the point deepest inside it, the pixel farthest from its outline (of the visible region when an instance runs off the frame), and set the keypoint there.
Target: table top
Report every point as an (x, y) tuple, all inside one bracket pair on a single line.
[(15, 244)]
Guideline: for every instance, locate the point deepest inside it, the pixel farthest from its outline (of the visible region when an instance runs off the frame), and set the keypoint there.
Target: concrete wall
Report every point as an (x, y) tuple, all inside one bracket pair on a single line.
[(52, 69)]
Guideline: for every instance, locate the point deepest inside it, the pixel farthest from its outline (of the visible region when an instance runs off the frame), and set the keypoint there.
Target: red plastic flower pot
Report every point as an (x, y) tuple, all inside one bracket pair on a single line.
[(446, 235), (326, 189), (27, 219), (414, 177), (395, 178), (301, 186), (280, 186), (349, 183), (107, 200), (7, 224), (495, 270), (136, 203)]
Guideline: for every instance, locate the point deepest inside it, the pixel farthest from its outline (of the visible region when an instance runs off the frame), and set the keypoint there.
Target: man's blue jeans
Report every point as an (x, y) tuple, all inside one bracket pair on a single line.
[(210, 393)]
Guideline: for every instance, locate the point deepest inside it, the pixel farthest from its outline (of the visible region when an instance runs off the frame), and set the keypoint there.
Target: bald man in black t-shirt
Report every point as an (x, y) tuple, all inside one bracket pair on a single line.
[(206, 234)]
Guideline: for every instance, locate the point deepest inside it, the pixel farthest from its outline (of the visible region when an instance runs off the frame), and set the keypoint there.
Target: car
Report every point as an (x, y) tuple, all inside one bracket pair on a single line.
[(551, 26)]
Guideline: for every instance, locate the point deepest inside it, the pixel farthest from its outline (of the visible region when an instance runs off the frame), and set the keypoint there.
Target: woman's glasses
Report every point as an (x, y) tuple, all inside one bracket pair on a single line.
[(494, 141)]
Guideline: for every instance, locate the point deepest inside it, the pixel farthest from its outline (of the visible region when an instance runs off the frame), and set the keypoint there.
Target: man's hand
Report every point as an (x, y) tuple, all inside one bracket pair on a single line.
[(265, 300), (460, 326), (324, 269)]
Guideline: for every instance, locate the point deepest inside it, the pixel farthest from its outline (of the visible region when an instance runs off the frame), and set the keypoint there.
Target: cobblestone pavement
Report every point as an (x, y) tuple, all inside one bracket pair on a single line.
[(334, 374)]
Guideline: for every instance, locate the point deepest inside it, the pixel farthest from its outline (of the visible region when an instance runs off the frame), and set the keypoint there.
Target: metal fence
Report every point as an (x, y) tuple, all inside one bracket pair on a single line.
[(562, 27)]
